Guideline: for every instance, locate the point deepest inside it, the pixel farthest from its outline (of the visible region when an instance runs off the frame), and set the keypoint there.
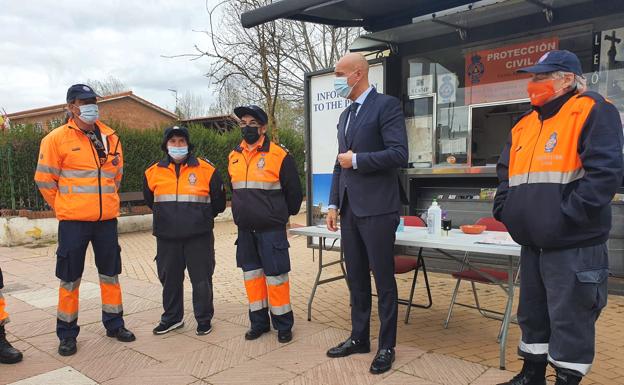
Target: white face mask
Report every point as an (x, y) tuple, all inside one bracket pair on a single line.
[(89, 113), (177, 153)]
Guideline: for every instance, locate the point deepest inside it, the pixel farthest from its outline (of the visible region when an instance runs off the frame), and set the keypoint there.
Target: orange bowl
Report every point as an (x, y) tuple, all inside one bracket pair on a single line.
[(472, 229)]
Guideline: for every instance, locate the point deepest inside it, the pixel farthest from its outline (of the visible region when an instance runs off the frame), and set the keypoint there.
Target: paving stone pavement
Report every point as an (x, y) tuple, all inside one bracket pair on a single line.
[(427, 354)]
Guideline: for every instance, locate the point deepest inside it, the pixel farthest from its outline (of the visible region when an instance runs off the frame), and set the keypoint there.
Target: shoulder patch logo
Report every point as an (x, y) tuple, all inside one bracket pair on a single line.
[(192, 179), (551, 143)]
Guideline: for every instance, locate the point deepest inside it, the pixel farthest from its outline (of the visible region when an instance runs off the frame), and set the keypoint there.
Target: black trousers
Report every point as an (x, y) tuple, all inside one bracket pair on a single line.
[(172, 257), (562, 293), (368, 244)]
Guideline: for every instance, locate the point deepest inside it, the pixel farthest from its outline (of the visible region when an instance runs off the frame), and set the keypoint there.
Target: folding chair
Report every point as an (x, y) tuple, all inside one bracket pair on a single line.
[(404, 264), (473, 276)]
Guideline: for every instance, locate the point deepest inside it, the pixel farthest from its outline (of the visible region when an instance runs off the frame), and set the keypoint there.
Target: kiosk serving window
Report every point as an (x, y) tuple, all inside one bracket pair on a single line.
[(461, 102)]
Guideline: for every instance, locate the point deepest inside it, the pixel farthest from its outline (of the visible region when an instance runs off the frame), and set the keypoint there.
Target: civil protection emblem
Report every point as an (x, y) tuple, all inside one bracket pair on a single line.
[(551, 143), (192, 178), (260, 163), (476, 69)]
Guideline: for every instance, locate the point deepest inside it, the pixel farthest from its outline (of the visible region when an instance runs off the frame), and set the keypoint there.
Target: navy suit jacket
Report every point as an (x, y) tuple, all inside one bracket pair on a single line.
[(380, 141)]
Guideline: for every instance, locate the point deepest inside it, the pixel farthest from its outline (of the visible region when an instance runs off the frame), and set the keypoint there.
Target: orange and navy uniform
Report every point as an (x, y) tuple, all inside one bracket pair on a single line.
[(266, 188), (4, 316), (72, 178), (185, 198), (559, 172), (81, 183)]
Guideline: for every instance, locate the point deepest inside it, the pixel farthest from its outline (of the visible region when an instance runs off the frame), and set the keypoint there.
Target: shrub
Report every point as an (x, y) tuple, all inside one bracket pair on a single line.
[(19, 148)]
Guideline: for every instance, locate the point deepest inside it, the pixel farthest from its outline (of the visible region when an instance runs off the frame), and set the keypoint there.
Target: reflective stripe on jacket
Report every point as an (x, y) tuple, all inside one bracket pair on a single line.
[(185, 198), (559, 173), (71, 178), (266, 188)]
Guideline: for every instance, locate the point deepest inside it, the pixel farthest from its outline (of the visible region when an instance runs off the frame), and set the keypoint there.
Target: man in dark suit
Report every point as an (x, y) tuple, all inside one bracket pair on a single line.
[(372, 144)]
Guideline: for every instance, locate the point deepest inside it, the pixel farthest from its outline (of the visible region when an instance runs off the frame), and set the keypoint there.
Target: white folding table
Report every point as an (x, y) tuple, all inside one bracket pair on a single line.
[(418, 237)]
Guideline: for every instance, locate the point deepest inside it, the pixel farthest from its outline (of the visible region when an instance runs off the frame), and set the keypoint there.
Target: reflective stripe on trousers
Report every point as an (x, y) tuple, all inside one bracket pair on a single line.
[(533, 348), (69, 294), (4, 316), (111, 294), (255, 285), (581, 368), (279, 294)]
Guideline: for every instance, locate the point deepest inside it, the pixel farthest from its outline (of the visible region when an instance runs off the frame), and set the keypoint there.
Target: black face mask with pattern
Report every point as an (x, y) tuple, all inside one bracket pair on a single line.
[(250, 134)]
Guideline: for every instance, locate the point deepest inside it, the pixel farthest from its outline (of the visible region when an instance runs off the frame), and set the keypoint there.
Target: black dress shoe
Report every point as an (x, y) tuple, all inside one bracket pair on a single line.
[(383, 361), (122, 334), (67, 347), (8, 354), (253, 334), (284, 336), (349, 347)]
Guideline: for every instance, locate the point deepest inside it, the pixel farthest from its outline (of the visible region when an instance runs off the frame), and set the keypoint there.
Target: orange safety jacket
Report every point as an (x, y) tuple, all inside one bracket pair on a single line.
[(266, 188), (185, 198), (71, 178), (559, 172)]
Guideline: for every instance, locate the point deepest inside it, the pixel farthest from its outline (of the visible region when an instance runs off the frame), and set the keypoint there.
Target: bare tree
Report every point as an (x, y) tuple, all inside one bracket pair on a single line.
[(266, 64), (108, 86), (191, 105)]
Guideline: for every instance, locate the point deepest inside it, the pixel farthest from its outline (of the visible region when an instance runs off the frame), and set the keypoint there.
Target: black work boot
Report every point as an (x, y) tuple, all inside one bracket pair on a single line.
[(532, 373), (8, 354), (567, 377)]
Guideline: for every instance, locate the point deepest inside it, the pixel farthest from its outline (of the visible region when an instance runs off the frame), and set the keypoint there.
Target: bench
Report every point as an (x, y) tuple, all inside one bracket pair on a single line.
[(130, 198)]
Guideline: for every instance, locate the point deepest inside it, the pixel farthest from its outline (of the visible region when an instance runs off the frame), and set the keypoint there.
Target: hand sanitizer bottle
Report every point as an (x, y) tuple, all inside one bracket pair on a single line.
[(434, 219)]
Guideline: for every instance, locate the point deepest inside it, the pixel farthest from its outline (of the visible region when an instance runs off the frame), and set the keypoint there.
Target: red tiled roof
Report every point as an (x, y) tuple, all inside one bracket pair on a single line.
[(61, 107)]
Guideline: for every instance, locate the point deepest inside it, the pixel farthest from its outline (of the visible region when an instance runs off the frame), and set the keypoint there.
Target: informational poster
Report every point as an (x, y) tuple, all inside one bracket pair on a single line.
[(325, 109), (608, 67), (610, 45), (491, 74), (419, 86), (447, 88)]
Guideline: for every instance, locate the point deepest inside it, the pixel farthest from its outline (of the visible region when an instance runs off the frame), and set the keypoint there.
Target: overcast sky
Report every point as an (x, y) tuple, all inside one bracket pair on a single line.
[(47, 45)]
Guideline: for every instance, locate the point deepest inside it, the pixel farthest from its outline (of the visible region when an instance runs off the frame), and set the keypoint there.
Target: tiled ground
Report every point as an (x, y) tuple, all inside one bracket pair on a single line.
[(465, 353)]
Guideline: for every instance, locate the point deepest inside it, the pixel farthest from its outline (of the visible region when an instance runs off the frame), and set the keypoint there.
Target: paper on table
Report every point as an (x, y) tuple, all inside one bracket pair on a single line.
[(498, 239)]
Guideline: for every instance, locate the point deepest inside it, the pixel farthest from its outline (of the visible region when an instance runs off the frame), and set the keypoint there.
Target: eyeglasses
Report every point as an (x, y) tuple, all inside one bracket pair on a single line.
[(252, 125), (94, 139)]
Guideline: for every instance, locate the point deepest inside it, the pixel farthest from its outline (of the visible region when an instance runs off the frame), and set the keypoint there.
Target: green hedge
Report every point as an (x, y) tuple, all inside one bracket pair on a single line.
[(19, 148)]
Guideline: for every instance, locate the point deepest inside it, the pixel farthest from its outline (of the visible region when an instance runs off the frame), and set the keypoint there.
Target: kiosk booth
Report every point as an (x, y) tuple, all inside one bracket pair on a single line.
[(453, 66)]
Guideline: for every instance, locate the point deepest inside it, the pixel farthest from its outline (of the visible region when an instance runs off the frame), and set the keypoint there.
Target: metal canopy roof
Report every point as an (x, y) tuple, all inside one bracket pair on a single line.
[(373, 15), (465, 17)]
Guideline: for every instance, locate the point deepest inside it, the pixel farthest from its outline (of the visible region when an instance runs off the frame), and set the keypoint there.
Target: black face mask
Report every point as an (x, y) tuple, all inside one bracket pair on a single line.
[(250, 134)]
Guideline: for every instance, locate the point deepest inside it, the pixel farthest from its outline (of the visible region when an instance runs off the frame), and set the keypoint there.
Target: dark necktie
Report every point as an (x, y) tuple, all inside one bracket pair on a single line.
[(351, 124)]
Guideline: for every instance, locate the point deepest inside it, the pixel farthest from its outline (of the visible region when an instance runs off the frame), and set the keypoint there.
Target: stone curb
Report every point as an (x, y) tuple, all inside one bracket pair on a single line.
[(15, 231)]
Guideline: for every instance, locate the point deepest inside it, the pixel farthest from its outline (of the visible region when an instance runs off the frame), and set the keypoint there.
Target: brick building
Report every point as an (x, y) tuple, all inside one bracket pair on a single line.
[(125, 108)]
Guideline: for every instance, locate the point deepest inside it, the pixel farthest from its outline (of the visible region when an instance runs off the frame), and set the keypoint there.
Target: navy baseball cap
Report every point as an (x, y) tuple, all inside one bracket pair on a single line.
[(80, 91), (177, 131), (255, 111), (557, 60)]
